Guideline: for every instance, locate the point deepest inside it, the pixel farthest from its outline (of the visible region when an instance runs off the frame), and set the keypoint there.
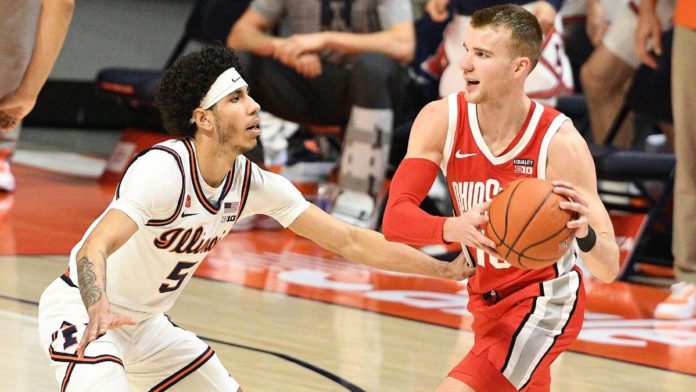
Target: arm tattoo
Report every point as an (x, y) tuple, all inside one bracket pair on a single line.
[(90, 290)]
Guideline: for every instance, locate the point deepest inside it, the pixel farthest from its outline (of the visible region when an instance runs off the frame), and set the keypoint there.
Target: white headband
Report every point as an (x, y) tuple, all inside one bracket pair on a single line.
[(226, 83)]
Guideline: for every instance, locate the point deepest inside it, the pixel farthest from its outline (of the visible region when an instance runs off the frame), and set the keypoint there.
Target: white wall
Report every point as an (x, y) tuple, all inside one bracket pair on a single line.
[(128, 33)]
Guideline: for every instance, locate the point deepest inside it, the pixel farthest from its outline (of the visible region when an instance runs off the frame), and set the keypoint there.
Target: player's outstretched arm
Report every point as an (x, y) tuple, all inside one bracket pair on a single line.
[(571, 168), (111, 233), (370, 248)]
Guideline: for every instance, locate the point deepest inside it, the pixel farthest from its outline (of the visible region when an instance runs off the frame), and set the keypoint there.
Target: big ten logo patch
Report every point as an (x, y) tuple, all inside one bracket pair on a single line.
[(229, 211), (524, 166)]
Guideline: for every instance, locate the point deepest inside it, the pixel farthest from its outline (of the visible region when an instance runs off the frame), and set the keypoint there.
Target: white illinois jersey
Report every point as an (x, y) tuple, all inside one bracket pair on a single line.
[(180, 219), (474, 175)]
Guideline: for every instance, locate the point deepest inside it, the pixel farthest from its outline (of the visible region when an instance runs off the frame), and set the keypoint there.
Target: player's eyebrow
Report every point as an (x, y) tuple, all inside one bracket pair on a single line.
[(477, 49)]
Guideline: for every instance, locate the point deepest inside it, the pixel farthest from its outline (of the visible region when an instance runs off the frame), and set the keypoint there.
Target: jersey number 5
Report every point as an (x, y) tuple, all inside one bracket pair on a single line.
[(176, 275)]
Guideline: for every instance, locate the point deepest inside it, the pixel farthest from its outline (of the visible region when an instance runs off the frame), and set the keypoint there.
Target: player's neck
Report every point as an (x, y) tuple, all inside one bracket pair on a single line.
[(500, 121), (212, 162), (503, 117)]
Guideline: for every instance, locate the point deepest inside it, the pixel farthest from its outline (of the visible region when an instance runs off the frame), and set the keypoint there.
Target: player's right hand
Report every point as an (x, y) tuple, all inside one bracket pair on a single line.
[(467, 229), (101, 318)]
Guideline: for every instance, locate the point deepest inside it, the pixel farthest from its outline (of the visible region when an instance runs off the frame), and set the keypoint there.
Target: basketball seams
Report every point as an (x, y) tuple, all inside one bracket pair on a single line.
[(529, 221), (529, 217), (542, 241), (507, 209), (507, 217)]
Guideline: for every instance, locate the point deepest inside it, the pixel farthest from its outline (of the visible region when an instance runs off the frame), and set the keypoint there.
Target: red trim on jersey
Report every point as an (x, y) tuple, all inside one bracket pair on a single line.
[(521, 131), (198, 190), (404, 221)]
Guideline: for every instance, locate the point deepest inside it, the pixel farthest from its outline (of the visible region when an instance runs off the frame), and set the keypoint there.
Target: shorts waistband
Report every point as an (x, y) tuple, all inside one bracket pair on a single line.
[(495, 296), (68, 281)]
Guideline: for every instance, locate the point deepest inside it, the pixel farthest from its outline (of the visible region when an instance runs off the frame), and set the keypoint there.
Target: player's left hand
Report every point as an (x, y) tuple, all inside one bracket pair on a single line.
[(13, 108), (101, 318), (577, 204)]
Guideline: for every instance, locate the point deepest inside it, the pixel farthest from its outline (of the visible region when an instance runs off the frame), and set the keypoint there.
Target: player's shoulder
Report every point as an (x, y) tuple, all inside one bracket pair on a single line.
[(162, 159), (435, 111), (567, 144)]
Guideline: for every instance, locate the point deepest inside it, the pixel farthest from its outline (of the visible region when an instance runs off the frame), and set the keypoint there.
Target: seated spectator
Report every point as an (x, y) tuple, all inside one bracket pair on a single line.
[(340, 63), (607, 73)]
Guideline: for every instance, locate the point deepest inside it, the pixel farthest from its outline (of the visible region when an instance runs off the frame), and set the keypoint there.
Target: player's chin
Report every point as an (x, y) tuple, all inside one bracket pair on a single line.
[(472, 97), (250, 145)]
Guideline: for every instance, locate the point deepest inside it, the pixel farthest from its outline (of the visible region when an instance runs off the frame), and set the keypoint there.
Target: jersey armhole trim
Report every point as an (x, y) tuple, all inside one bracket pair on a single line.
[(246, 182), (546, 141), (180, 202), (452, 117)]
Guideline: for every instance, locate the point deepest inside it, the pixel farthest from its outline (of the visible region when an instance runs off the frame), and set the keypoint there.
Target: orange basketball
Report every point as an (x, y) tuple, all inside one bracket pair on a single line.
[(527, 224)]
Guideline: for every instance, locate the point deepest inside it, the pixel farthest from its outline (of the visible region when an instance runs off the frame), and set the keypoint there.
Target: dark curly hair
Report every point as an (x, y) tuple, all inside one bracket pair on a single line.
[(187, 81)]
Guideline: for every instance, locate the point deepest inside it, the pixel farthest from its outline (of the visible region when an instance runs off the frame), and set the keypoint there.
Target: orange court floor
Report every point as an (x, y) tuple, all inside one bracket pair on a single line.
[(49, 212)]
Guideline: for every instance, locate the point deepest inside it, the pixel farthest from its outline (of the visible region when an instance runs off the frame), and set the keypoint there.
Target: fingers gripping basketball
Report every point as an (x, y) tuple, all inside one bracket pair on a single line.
[(527, 224)]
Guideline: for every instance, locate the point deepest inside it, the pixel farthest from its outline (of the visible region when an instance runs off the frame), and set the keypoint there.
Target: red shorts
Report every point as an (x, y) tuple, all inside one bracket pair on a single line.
[(517, 339)]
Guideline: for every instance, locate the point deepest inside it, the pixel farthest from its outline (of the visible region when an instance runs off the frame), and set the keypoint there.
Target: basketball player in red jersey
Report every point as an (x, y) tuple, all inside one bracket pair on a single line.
[(482, 139)]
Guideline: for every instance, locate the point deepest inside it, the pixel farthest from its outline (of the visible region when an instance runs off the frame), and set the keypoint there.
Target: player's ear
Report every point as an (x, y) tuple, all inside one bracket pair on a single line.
[(523, 65), (200, 118)]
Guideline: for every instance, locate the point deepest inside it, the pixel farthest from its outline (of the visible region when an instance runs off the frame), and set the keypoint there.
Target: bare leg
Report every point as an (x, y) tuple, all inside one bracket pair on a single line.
[(604, 78)]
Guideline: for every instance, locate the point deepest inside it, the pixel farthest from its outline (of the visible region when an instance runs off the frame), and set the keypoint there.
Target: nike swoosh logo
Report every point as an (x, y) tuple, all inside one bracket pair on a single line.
[(460, 155), (184, 215)]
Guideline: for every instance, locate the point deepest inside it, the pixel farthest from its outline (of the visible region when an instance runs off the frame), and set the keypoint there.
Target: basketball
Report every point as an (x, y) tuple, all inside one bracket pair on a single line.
[(527, 224)]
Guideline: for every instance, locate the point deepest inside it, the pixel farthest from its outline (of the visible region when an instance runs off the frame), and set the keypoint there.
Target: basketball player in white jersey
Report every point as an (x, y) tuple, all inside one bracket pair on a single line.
[(103, 322), (483, 138)]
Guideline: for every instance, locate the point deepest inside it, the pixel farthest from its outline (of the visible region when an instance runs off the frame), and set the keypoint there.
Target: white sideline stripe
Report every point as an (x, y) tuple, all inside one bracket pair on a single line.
[(18, 316), (61, 162)]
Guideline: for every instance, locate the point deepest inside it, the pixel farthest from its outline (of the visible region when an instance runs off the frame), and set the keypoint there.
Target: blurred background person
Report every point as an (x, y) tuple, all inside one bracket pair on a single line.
[(606, 75), (681, 304), (334, 63), (33, 32)]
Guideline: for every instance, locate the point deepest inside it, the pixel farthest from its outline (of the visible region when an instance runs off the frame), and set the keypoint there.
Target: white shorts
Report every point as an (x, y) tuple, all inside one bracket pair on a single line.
[(153, 355), (551, 77), (620, 37)]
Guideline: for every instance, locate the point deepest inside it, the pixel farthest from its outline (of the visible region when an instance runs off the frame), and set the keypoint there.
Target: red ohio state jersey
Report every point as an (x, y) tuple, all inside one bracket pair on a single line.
[(474, 175)]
